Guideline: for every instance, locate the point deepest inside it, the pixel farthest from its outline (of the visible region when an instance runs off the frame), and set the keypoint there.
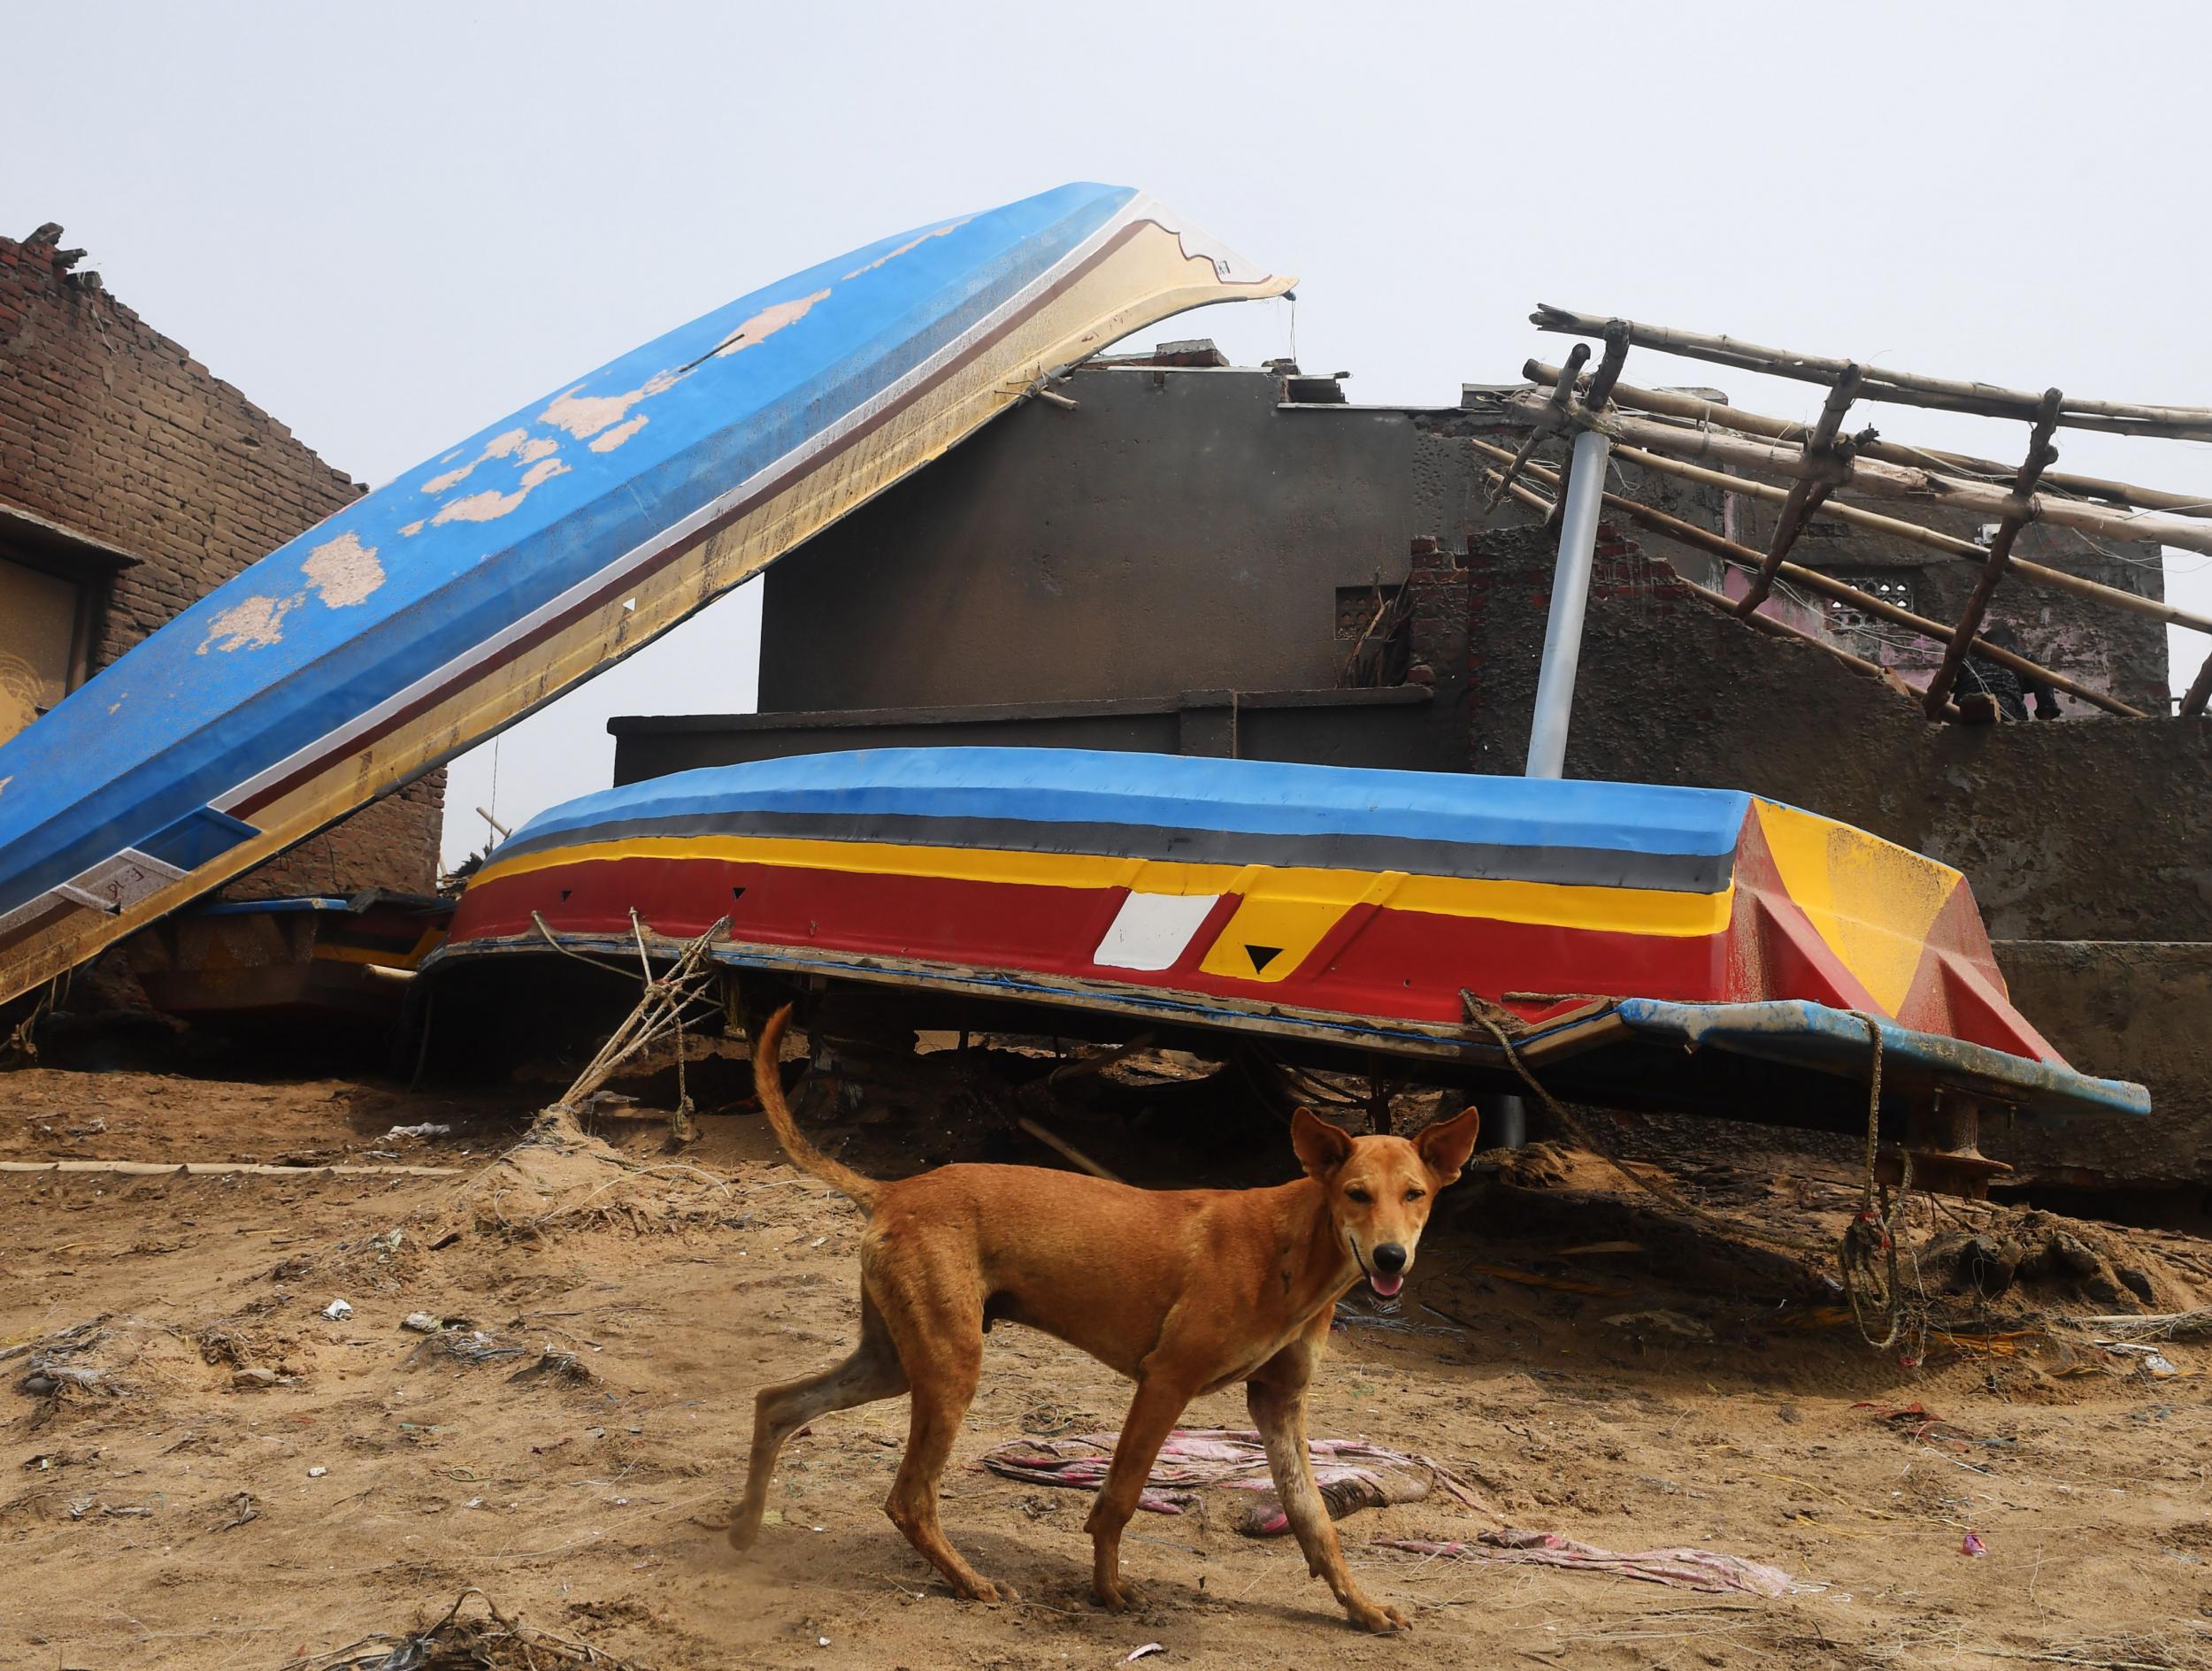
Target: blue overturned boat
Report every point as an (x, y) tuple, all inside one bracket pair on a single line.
[(432, 613)]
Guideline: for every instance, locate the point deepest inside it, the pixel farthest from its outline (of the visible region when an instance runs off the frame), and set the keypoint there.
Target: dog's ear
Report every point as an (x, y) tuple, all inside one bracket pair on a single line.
[(1444, 1148), (1322, 1147)]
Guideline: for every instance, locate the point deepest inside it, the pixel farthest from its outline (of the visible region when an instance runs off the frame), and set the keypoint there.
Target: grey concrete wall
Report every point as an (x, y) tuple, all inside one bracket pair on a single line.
[(1173, 532), (1388, 728), (2124, 1010)]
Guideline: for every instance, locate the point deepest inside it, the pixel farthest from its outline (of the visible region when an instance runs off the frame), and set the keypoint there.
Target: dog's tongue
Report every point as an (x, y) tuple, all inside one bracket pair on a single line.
[(1385, 1285)]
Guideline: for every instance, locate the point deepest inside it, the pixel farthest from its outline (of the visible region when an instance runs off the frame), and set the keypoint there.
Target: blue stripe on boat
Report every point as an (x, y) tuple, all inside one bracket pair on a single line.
[(1087, 786)]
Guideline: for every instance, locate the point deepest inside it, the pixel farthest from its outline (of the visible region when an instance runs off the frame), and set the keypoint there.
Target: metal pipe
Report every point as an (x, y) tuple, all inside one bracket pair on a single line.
[(1510, 1125), (1570, 600)]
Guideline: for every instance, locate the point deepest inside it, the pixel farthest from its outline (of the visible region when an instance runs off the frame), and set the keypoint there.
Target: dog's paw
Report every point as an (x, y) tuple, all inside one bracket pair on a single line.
[(1379, 1617), (986, 1590), (744, 1537), (1118, 1596)]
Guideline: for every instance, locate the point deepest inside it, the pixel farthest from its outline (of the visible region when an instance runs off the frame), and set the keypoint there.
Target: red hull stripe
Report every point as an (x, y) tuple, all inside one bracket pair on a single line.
[(1408, 965)]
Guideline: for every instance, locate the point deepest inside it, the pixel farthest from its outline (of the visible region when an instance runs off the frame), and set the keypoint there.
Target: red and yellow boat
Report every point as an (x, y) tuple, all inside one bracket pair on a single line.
[(1605, 927)]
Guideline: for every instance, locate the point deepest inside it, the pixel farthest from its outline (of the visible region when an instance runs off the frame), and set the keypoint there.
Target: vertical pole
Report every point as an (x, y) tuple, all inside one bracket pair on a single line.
[(1511, 1124), (1569, 599)]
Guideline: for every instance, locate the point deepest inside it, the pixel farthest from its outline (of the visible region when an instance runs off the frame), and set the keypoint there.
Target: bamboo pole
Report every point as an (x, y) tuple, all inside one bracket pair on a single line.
[(2199, 689), (1827, 585), (1891, 481), (1671, 403), (1720, 601), (1908, 388), (2040, 452), (1808, 492), (1066, 1150), (1874, 522)]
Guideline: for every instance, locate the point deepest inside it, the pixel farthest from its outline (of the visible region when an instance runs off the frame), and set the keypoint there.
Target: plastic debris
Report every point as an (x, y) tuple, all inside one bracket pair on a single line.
[(1148, 1648), (1386, 1313), (426, 1130), (465, 1345), (46, 1376), (317, 1473), (45, 1379), (1352, 1474), (422, 1323), (338, 1310), (1916, 1421), (1681, 1568), (554, 1365), (1972, 1544)]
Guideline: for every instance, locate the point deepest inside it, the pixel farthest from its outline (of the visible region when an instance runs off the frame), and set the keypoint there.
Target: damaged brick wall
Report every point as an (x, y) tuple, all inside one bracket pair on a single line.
[(111, 428)]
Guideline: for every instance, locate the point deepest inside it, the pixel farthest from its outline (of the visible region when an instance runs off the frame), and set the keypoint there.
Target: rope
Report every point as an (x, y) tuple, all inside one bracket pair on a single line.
[(1575, 1129), (1873, 1230)]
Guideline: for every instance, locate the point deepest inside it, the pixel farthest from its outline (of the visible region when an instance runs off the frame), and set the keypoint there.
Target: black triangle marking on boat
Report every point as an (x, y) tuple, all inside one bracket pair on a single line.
[(564, 894), (1262, 956), (737, 894)]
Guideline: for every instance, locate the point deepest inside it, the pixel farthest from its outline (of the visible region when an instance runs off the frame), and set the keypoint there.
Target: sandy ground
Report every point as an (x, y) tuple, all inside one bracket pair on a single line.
[(247, 1482)]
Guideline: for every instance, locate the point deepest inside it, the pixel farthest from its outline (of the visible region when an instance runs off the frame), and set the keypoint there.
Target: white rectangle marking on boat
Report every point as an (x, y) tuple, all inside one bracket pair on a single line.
[(1151, 930)]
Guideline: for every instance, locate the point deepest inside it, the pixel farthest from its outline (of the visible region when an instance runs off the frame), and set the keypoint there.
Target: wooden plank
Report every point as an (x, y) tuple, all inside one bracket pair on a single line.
[(2185, 422), (2040, 453), (1808, 493), (1599, 391), (1674, 404), (1550, 421), (1814, 580)]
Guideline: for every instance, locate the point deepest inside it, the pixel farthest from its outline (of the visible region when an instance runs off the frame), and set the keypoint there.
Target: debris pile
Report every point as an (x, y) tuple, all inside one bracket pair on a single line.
[(2036, 1259), (492, 1642)]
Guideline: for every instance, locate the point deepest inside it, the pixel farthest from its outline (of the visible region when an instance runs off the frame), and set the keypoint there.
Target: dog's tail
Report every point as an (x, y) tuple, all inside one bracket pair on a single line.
[(768, 1081)]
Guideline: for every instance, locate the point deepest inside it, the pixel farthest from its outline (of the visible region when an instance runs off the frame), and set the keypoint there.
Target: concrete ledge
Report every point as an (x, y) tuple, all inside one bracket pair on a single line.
[(2124, 1009)]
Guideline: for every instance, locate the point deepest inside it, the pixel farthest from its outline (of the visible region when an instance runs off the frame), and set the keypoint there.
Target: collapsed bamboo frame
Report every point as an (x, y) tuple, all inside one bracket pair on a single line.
[(2123, 417), (1696, 409), (1772, 626), (1817, 460), (1814, 580), (1874, 522), (1893, 481)]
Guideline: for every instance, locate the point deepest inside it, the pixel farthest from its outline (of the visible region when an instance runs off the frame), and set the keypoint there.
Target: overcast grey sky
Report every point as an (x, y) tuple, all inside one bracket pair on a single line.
[(391, 224)]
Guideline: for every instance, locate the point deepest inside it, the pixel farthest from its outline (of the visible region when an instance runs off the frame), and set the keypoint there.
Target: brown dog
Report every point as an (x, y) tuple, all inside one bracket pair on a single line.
[(1182, 1290)]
